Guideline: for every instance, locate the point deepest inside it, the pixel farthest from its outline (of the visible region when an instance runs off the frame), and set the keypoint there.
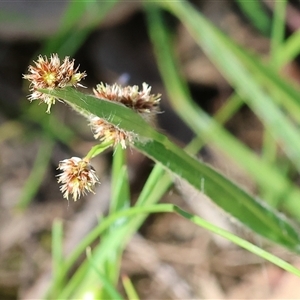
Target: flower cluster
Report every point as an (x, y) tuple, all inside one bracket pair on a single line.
[(77, 177), (51, 74), (107, 132), (141, 101)]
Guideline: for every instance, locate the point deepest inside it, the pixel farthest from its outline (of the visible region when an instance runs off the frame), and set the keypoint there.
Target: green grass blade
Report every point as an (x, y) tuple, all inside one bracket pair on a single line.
[(129, 288), (268, 176), (155, 187), (120, 200), (269, 147), (73, 29), (282, 91), (278, 31), (37, 173), (157, 183), (120, 183), (200, 222), (57, 253), (290, 49), (239, 241), (254, 10), (257, 216), (112, 292), (72, 15), (214, 44), (228, 109), (164, 208), (285, 94)]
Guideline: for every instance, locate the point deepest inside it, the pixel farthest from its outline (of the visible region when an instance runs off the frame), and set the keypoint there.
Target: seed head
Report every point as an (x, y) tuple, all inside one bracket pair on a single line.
[(106, 132), (51, 74), (141, 101), (77, 177)]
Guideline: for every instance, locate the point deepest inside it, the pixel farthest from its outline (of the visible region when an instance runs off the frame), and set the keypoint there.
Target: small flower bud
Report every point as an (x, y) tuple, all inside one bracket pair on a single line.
[(141, 101), (106, 132), (51, 74), (77, 177)]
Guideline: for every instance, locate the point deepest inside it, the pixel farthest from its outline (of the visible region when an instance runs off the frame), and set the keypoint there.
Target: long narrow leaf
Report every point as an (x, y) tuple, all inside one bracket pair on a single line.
[(290, 49), (101, 253), (267, 176), (222, 191), (213, 43)]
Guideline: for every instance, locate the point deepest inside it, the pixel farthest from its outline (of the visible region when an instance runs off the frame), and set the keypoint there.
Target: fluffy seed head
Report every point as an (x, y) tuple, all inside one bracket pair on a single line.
[(51, 74), (106, 132), (141, 101), (77, 177)]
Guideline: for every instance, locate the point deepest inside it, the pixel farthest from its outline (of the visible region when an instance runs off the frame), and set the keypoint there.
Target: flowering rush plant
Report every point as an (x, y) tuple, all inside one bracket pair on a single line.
[(122, 116), (78, 176)]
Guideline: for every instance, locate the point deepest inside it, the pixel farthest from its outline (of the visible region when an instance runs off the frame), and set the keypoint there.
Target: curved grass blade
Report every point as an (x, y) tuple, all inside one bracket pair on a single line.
[(255, 12), (57, 252), (112, 292), (37, 174), (268, 176), (219, 48), (223, 192), (290, 49), (74, 29), (129, 288), (101, 253)]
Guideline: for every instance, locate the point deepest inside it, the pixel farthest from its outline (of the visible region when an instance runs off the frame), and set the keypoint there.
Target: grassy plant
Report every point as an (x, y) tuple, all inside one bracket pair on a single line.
[(272, 98)]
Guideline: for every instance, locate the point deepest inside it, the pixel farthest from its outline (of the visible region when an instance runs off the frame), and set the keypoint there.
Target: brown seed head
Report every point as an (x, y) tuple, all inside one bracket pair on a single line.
[(51, 74), (141, 101), (106, 132), (77, 177)]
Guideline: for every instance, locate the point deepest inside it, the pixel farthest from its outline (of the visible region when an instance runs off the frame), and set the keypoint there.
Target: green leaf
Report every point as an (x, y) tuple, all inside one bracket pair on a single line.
[(74, 29), (109, 287), (223, 53), (278, 31), (129, 288), (79, 282), (265, 175), (290, 49), (37, 174), (254, 10), (120, 182), (57, 252), (251, 212)]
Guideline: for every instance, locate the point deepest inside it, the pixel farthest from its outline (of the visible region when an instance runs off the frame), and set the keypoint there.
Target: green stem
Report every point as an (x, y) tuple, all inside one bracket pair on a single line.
[(99, 148)]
